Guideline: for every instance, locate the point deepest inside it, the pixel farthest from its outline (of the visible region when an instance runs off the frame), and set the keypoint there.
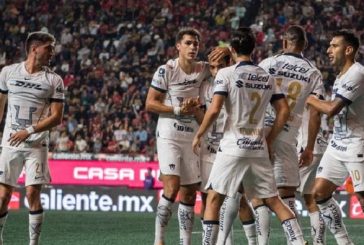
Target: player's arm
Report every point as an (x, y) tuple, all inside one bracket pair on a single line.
[(281, 108), (199, 114), (3, 91), (211, 115), (54, 118), (154, 101), (330, 108), (3, 98), (282, 111), (314, 124)]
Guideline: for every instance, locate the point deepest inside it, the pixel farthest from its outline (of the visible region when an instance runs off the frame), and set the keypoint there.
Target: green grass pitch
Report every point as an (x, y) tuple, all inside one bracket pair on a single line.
[(111, 228)]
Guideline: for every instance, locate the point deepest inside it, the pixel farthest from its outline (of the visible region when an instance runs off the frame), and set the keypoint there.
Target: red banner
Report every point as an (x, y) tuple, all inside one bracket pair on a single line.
[(14, 201), (71, 172), (355, 209)]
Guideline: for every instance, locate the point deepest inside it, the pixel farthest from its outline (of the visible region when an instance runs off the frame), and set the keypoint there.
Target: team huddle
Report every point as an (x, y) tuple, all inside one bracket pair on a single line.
[(249, 138)]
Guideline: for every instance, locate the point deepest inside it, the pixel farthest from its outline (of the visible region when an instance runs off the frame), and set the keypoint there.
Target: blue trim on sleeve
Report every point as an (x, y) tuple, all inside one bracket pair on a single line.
[(346, 100), (56, 100), (4, 91), (320, 96), (276, 97), (159, 89), (221, 93)]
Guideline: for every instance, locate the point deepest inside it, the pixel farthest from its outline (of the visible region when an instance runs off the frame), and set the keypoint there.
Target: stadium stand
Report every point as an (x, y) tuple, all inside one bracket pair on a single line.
[(108, 50)]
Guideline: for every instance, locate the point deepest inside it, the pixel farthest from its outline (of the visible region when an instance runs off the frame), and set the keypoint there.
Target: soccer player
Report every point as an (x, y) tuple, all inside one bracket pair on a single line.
[(172, 84), (307, 178), (243, 155), (231, 206), (35, 97), (345, 152), (297, 78)]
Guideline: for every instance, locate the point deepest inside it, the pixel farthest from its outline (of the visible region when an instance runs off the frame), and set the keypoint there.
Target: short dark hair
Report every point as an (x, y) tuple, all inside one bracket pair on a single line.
[(243, 41), (188, 31), (38, 36), (297, 35), (349, 37)]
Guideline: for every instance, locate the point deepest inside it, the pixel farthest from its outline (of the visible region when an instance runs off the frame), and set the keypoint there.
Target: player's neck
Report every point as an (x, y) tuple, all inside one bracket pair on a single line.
[(31, 66), (243, 58), (188, 66), (346, 67)]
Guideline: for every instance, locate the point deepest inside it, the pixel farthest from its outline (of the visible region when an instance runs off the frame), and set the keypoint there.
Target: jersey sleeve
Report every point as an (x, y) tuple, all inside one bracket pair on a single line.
[(266, 64), (203, 92), (221, 84), (3, 78), (318, 88), (159, 81), (350, 89), (277, 92), (58, 92)]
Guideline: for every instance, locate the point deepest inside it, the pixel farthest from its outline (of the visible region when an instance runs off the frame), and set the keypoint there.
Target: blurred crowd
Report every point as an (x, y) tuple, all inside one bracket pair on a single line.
[(108, 50)]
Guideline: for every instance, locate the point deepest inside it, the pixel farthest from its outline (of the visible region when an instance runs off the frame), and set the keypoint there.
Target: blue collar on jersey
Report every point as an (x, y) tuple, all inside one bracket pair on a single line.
[(294, 55), (244, 63)]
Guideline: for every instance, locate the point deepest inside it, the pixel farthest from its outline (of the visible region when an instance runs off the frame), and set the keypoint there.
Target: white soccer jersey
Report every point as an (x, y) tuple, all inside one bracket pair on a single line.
[(347, 142), (249, 89), (321, 142), (178, 85), (297, 78), (216, 131), (29, 98)]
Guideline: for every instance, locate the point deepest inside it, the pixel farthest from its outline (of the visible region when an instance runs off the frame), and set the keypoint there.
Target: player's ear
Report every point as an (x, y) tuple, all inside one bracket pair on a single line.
[(232, 51), (32, 48), (349, 50), (285, 43), (178, 46)]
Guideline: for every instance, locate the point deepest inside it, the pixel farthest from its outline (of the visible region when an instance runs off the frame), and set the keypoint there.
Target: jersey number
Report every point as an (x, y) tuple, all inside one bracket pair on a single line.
[(255, 97), (21, 121), (293, 91)]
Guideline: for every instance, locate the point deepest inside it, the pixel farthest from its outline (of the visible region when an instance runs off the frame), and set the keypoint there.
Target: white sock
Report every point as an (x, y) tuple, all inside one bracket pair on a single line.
[(164, 213), (291, 203), (186, 216), (262, 221), (317, 228), (250, 232), (331, 214), (228, 212), (2, 224), (35, 224), (293, 232), (211, 230), (202, 227)]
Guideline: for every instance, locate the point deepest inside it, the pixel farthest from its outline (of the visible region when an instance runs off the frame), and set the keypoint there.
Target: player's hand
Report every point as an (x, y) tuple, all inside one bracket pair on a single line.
[(196, 144), (219, 53), (18, 137), (305, 158), (190, 105)]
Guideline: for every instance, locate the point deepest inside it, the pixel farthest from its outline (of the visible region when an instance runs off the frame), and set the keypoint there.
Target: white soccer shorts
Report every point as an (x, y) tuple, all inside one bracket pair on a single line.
[(229, 172), (337, 171), (206, 167), (308, 175), (34, 161), (286, 171), (177, 158)]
